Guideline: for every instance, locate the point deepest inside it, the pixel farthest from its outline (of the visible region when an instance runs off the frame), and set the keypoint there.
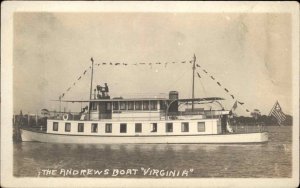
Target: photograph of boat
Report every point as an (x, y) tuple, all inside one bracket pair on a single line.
[(143, 120), (106, 94)]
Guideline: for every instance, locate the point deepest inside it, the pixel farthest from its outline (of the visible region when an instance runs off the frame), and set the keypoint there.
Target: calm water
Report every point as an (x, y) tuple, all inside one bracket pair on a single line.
[(272, 159)]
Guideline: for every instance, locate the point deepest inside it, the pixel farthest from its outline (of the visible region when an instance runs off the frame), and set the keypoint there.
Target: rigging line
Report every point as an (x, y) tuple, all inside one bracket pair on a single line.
[(86, 70), (173, 83)]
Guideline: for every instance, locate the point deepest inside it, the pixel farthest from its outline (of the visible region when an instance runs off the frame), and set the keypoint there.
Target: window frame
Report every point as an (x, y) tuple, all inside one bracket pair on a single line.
[(108, 127), (130, 102), (204, 127), (69, 124), (137, 107), (138, 126), (167, 127), (183, 127), (153, 105), (146, 105), (92, 126), (55, 126), (152, 127), (78, 127), (122, 125), (125, 105)]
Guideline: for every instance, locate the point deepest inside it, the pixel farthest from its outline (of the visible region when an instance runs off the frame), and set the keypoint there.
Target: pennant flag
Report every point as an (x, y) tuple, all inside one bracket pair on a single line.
[(74, 84), (92, 59), (79, 78), (110, 63), (134, 64), (117, 63), (277, 113), (69, 89), (241, 103), (191, 62), (247, 110), (103, 63), (234, 106), (204, 71), (226, 90), (173, 62), (232, 96), (98, 64), (125, 64), (84, 72), (198, 75), (212, 77), (150, 63), (198, 65), (219, 83), (63, 94), (183, 62)]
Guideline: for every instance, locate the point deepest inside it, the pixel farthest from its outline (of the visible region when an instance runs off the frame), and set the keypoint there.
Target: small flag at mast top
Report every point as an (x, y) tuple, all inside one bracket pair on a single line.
[(92, 59), (277, 113)]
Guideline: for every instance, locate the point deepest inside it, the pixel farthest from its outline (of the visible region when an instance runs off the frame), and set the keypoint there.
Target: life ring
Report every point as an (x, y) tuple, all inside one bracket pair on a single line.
[(65, 116)]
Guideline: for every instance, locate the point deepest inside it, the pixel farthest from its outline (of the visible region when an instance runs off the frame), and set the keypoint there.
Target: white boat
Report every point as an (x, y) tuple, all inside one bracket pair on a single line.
[(142, 120)]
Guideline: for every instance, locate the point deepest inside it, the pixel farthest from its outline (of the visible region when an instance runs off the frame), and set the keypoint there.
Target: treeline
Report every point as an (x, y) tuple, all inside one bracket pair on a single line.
[(266, 120)]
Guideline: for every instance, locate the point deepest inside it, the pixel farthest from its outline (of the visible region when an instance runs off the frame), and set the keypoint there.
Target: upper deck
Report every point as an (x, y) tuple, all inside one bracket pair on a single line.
[(104, 109)]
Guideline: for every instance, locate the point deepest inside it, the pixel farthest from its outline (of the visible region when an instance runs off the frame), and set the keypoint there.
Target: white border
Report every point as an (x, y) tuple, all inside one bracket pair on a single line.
[(7, 10)]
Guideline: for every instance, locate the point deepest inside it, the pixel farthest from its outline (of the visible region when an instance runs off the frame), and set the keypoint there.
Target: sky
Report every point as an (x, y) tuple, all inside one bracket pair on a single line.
[(250, 54)]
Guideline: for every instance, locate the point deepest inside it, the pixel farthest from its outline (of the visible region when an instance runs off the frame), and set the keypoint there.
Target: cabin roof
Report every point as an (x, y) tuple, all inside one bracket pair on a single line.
[(145, 99)]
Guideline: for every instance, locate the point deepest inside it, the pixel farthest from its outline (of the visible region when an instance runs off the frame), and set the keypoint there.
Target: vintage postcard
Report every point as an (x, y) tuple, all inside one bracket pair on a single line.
[(150, 94)]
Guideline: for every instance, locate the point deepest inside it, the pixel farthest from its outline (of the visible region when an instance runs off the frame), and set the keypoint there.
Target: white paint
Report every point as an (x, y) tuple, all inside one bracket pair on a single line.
[(200, 139)]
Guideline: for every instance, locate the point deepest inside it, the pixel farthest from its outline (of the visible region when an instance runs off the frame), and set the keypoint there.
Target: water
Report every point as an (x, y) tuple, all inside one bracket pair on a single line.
[(273, 159)]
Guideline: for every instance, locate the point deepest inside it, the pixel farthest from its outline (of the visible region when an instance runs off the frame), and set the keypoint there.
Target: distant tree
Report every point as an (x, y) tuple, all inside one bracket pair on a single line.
[(255, 114)]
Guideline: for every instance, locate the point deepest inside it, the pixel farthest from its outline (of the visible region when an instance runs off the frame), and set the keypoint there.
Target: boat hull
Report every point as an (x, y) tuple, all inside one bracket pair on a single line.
[(162, 139)]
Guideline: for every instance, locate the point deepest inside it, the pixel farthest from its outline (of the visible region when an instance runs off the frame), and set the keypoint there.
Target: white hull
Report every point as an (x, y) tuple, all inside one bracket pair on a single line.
[(163, 139)]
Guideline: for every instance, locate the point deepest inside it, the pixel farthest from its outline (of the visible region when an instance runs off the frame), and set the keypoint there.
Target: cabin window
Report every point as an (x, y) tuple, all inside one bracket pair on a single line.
[(153, 105), (138, 127), (94, 106), (94, 127), (131, 105), (138, 105), (123, 128), (108, 106), (145, 105), (80, 127), (67, 127), (169, 127), (163, 105), (153, 127), (123, 105), (201, 126), (55, 126), (184, 127), (116, 105), (108, 128)]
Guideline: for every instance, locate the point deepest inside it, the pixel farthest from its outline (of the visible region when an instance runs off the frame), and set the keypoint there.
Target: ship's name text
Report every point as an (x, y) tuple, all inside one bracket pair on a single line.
[(115, 172)]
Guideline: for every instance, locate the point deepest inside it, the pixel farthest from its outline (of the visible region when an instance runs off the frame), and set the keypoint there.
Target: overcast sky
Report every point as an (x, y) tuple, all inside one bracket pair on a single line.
[(249, 54)]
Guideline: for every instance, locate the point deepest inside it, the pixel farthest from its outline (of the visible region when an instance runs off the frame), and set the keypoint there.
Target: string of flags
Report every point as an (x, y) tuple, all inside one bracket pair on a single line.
[(220, 85), (150, 64)]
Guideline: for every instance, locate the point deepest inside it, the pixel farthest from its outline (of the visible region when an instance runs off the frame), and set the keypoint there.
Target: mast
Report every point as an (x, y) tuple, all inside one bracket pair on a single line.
[(193, 86), (91, 88)]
